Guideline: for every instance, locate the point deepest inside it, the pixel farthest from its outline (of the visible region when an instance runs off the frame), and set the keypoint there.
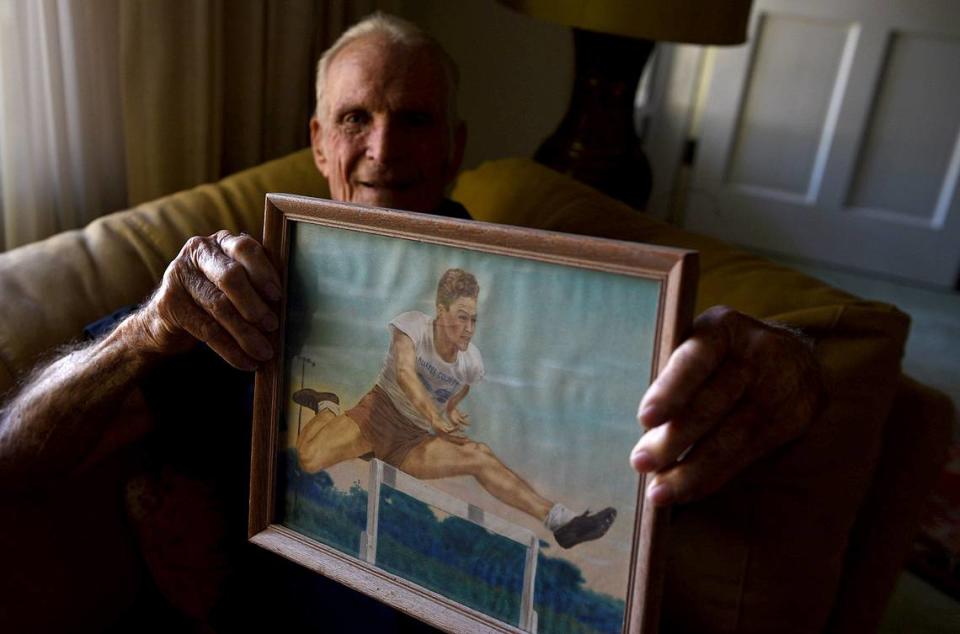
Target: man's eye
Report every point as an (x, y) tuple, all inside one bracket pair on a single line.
[(354, 118)]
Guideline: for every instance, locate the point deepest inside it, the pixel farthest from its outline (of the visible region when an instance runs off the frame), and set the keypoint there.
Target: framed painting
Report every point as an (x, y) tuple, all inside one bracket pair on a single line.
[(448, 423)]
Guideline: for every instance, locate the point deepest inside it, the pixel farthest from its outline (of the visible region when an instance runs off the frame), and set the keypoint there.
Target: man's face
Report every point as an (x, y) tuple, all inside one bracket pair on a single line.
[(383, 137), (458, 322)]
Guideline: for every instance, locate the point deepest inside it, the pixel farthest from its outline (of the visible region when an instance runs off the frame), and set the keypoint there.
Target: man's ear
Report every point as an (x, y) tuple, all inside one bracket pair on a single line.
[(456, 152), (316, 142)]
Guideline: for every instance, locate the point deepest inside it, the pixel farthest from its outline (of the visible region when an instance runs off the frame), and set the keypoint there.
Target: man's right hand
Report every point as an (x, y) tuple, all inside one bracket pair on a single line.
[(219, 290)]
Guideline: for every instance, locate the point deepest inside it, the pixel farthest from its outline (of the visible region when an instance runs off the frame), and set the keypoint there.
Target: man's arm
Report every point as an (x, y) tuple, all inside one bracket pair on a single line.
[(64, 409), (734, 391), (457, 417), (405, 356), (213, 291)]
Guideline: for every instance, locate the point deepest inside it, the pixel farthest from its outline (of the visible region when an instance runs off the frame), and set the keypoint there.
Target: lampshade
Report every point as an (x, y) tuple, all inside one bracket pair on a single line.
[(690, 21)]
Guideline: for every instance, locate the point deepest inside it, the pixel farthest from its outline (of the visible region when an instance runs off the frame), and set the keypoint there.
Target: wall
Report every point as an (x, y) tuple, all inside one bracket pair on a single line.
[(516, 72)]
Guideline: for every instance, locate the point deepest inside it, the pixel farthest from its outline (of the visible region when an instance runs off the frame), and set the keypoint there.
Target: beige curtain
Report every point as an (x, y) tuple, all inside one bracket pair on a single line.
[(216, 86), (61, 145), (108, 103)]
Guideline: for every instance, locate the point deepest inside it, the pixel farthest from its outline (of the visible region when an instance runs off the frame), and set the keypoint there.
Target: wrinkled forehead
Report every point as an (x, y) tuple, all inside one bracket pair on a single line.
[(381, 74)]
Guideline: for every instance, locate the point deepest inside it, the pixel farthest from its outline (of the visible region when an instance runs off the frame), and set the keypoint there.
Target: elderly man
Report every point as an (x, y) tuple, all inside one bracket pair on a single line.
[(386, 133)]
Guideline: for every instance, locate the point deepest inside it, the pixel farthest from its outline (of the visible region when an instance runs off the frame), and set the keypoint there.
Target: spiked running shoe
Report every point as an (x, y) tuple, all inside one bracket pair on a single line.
[(312, 398), (586, 527)]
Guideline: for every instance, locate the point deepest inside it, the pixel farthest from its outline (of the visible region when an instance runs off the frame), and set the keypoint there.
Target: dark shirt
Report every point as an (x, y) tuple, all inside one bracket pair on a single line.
[(452, 209)]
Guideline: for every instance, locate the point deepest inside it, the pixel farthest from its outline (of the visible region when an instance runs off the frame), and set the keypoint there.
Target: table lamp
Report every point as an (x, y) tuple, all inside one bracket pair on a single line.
[(596, 142)]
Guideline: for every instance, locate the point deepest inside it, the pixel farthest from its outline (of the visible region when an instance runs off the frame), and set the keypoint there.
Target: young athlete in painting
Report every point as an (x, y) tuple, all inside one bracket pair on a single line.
[(410, 418)]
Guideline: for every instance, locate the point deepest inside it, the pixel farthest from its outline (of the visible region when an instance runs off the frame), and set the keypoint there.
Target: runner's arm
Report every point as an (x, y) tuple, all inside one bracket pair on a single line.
[(405, 355), (457, 417)]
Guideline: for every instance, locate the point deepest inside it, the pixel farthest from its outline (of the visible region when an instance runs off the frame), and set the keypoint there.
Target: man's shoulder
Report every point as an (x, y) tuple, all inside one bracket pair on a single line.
[(473, 355), (411, 323), (412, 315)]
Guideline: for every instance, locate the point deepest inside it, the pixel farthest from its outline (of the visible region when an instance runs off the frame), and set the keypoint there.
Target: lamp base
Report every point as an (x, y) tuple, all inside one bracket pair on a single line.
[(596, 142)]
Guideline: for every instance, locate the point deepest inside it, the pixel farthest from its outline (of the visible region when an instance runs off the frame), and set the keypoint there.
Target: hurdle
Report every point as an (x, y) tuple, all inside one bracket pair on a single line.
[(382, 474)]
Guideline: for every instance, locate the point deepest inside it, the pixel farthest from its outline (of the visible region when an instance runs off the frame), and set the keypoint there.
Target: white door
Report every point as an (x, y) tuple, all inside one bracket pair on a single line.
[(834, 135)]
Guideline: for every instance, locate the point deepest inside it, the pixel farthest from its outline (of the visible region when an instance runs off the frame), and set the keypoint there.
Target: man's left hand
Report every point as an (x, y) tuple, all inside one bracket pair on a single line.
[(737, 389)]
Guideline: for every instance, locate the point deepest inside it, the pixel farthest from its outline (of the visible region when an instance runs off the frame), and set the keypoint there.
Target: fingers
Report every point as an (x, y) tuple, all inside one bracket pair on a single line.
[(710, 464), (219, 287), (690, 365), (217, 290), (457, 438), (205, 328), (713, 462), (736, 390), (442, 424), (235, 264), (459, 419), (663, 445), (454, 421), (250, 254)]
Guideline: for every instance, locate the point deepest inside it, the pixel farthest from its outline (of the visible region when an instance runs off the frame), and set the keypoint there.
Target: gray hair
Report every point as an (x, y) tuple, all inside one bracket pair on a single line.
[(397, 31)]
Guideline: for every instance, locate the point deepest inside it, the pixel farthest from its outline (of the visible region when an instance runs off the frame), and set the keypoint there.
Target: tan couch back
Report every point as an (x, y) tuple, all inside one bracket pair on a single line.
[(51, 289)]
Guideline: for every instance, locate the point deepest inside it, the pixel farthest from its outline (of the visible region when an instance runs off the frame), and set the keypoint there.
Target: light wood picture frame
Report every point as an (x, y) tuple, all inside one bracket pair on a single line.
[(572, 330)]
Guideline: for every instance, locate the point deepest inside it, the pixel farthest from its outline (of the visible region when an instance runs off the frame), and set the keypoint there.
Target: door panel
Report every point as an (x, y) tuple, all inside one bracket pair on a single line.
[(789, 115), (904, 164), (834, 135)]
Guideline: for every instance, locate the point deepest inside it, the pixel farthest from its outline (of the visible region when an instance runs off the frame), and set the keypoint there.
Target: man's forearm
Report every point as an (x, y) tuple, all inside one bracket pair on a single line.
[(417, 395), (457, 398), (218, 289), (64, 410)]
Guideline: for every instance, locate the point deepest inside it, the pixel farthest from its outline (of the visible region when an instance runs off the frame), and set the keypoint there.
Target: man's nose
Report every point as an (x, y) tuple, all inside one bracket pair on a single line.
[(382, 141)]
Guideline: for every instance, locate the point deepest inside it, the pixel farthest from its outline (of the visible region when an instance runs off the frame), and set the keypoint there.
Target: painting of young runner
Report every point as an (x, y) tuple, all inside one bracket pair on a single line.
[(463, 419)]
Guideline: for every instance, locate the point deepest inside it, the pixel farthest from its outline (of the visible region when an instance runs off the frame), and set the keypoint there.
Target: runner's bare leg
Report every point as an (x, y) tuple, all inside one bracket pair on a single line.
[(439, 458), (329, 439)]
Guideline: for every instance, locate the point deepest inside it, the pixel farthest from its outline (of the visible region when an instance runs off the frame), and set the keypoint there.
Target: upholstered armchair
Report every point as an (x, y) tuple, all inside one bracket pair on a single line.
[(72, 562)]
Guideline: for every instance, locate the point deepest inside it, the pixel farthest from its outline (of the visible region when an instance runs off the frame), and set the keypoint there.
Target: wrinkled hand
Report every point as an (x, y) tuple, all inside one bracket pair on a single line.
[(737, 389), (217, 290)]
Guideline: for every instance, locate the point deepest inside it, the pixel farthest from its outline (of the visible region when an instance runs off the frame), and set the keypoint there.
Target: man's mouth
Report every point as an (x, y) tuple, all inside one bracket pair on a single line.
[(386, 185)]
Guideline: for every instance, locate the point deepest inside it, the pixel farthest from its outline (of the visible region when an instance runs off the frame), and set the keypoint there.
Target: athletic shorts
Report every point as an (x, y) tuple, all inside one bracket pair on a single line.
[(391, 434)]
